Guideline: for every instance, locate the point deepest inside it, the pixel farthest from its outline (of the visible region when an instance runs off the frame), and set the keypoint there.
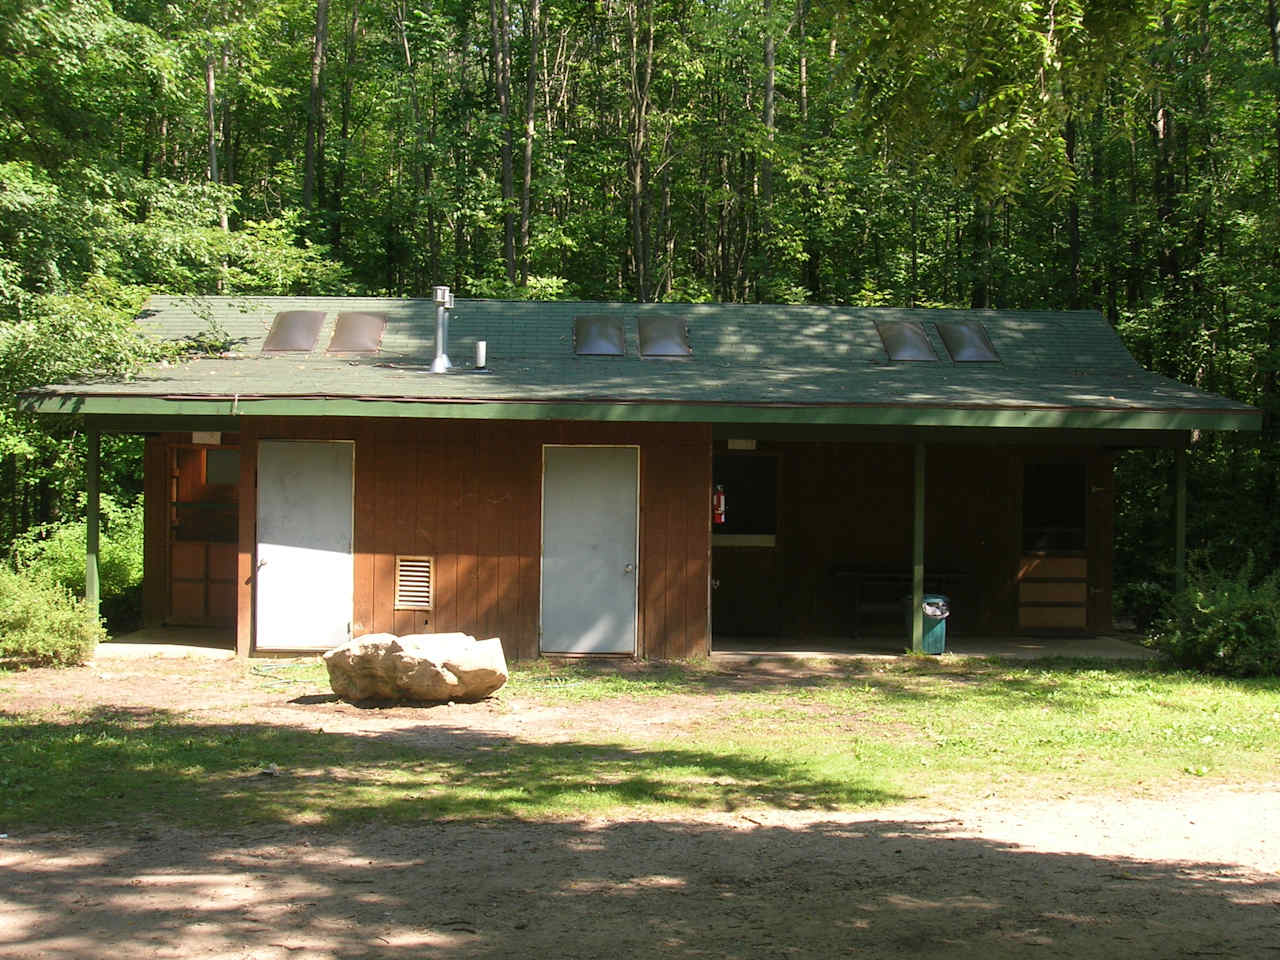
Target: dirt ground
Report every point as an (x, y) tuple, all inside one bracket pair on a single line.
[(1186, 874)]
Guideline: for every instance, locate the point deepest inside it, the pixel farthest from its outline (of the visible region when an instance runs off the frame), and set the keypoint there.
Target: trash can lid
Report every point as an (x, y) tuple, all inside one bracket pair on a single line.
[(935, 598)]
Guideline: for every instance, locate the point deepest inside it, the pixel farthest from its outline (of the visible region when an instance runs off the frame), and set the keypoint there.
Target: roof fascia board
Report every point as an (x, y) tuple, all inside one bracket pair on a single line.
[(944, 436), (868, 415)]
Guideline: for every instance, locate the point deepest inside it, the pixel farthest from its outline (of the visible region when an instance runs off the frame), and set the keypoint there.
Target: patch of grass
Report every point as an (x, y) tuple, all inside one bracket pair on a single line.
[(110, 766), (860, 733)]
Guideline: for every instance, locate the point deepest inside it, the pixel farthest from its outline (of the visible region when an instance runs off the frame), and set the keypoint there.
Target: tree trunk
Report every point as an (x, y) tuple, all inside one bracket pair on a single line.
[(802, 17), (766, 162), (1073, 222), (315, 110), (211, 115), (640, 63), (499, 30), (228, 140), (533, 29), (1270, 384), (348, 81), (981, 254)]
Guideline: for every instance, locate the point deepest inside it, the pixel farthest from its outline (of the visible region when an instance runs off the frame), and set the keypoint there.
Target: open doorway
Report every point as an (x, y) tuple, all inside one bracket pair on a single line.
[(202, 534), (745, 563)]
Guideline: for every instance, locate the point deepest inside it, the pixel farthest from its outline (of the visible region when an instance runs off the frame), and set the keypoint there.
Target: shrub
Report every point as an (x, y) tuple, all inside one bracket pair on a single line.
[(41, 623), (1224, 623), (1146, 601), (55, 551)]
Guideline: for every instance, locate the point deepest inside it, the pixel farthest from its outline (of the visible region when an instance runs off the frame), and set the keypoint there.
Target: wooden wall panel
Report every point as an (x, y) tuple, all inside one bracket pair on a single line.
[(469, 495), (522, 478), (655, 557), (848, 507), (364, 544), (1101, 537), (247, 524), (155, 531)]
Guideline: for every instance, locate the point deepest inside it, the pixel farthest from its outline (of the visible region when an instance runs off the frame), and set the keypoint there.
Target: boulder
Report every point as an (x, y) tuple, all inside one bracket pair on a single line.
[(422, 667)]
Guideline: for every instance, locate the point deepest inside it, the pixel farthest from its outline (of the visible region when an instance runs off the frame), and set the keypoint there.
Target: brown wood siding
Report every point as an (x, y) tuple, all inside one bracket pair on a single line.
[(469, 495), (1101, 535), (155, 531), (846, 509), (246, 550)]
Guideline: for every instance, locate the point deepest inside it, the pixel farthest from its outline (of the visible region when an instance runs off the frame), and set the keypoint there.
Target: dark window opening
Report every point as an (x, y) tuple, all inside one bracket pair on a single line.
[(1054, 507), (750, 487), (967, 342), (203, 493), (905, 340), (599, 336), (664, 337), (358, 333), (294, 330)]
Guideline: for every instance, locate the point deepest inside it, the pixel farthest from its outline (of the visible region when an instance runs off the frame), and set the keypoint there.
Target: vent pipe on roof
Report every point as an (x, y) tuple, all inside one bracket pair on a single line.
[(443, 299)]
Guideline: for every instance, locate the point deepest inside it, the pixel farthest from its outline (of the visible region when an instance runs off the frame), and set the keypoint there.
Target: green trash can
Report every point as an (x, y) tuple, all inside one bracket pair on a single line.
[(935, 610)]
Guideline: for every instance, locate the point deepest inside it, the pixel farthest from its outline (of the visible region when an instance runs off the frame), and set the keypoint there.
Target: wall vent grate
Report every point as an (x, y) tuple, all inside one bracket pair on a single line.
[(413, 583)]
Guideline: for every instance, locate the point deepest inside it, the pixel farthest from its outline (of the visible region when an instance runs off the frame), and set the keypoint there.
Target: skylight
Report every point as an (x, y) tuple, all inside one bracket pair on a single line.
[(358, 333), (294, 330), (967, 342), (905, 340), (664, 337), (599, 336)]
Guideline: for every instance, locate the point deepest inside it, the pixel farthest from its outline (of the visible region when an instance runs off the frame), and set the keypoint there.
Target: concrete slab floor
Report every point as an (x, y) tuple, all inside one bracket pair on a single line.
[(204, 643), (1018, 648)]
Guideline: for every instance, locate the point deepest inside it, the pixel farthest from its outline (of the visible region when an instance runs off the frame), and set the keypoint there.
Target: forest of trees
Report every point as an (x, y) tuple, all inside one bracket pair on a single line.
[(1121, 155)]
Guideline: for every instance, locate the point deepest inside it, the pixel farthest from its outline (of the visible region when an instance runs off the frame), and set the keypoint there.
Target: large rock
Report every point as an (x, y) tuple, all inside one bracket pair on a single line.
[(423, 667)]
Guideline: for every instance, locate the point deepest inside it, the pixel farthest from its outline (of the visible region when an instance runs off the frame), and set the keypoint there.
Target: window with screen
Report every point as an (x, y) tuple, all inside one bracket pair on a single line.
[(750, 487), (1054, 507)]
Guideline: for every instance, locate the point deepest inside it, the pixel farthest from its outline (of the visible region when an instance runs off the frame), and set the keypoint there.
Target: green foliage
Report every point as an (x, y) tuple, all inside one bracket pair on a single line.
[(1225, 622), (41, 623), (850, 734), (55, 551), (536, 288), (1147, 601)]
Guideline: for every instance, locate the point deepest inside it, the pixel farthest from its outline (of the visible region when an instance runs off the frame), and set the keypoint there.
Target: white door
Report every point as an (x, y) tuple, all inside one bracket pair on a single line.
[(305, 571), (589, 553)]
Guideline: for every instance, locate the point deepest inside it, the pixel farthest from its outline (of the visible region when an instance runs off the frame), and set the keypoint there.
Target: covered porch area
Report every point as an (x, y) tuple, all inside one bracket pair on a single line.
[(838, 533)]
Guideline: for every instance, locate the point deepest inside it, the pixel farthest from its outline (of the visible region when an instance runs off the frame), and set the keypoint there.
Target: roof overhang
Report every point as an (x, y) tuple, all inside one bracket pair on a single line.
[(178, 412)]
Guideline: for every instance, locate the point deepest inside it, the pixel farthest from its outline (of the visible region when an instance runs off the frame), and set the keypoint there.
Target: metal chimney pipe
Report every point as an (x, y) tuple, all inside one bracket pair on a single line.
[(443, 300)]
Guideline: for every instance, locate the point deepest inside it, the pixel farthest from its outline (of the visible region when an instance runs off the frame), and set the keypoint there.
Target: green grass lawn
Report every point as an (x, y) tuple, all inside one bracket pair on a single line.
[(854, 735)]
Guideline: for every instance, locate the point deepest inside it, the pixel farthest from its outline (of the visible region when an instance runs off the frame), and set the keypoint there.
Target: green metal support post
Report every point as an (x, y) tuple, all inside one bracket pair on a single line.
[(91, 521), (1180, 521), (917, 555)]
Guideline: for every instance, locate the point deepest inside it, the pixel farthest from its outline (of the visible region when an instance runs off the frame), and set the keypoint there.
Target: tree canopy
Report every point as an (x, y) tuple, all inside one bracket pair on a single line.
[(1120, 155)]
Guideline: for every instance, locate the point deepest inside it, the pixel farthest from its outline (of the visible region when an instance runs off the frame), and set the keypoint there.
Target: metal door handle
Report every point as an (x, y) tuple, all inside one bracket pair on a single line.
[(629, 568)]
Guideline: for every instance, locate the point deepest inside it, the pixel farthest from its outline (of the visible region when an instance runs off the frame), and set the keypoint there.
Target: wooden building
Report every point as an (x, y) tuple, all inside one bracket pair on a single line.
[(628, 479)]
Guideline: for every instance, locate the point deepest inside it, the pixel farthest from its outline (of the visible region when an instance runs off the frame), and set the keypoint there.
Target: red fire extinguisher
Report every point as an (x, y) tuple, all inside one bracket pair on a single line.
[(717, 504)]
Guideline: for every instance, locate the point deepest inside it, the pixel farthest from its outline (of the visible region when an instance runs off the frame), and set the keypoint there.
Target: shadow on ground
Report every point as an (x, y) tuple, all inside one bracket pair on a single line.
[(132, 764), (733, 889)]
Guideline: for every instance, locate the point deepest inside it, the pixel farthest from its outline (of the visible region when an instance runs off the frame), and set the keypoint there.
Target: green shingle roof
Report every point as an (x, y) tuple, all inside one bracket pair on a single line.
[(802, 364)]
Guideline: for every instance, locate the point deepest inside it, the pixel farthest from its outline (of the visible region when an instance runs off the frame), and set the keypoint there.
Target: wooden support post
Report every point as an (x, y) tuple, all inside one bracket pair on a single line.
[(1180, 521), (91, 520), (917, 555)]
